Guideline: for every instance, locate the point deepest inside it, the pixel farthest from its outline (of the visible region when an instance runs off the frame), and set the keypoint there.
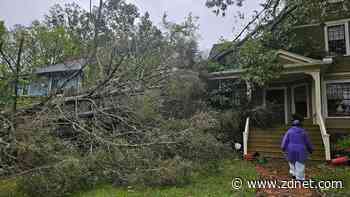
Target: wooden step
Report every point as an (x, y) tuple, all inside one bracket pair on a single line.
[(281, 156), (279, 151), (280, 136), (276, 130), (314, 142), (267, 141), (271, 147)]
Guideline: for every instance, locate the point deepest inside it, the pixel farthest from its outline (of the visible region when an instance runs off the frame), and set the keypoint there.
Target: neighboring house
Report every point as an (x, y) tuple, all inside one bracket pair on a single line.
[(50, 79), (315, 83)]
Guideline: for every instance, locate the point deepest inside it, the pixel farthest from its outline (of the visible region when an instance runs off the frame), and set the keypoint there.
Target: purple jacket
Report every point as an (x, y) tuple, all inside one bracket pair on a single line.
[(297, 144)]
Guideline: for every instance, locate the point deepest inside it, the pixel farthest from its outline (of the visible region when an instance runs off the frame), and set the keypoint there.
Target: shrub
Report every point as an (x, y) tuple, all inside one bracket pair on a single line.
[(196, 138), (59, 180), (184, 95), (230, 127), (176, 171), (344, 142), (264, 116)]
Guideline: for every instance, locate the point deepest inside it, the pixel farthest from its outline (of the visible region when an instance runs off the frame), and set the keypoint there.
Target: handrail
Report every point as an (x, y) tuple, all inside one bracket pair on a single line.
[(325, 135), (245, 136)]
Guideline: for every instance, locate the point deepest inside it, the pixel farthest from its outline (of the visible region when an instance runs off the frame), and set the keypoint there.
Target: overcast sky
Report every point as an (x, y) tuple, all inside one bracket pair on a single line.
[(212, 27)]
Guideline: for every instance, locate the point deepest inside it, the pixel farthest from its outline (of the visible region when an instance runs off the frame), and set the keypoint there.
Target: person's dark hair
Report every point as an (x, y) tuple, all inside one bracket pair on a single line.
[(297, 117)]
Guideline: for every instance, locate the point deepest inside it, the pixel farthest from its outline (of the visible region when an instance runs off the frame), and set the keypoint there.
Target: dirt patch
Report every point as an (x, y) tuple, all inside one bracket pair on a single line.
[(279, 170)]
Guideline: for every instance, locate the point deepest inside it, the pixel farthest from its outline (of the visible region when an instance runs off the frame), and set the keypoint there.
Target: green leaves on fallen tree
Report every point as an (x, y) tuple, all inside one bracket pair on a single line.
[(260, 63)]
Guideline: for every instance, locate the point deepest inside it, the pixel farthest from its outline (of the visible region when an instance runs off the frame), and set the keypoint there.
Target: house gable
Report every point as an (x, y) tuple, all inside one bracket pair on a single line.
[(286, 57)]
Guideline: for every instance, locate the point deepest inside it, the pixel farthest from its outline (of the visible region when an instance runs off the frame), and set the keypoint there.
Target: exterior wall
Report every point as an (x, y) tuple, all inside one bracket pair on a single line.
[(44, 84), (39, 87), (338, 124), (311, 41), (341, 65)]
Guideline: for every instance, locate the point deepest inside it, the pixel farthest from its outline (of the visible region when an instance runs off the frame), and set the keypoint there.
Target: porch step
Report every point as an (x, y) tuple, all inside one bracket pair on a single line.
[(272, 147), (276, 152), (284, 129), (267, 142), (274, 142), (279, 136), (312, 157)]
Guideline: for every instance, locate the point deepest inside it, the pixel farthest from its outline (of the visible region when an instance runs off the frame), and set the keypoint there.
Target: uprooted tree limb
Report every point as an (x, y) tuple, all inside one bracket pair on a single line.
[(265, 20)]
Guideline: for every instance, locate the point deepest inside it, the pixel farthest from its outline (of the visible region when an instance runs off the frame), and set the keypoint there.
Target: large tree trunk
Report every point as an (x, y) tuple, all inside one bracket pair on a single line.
[(16, 81)]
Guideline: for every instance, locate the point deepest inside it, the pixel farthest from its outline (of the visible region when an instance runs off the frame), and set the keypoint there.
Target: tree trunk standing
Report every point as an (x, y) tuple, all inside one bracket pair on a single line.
[(16, 82)]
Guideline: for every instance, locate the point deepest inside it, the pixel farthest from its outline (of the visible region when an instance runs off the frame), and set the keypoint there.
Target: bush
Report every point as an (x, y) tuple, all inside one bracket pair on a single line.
[(59, 180), (184, 95), (176, 171), (344, 142), (230, 127), (196, 138), (264, 116)]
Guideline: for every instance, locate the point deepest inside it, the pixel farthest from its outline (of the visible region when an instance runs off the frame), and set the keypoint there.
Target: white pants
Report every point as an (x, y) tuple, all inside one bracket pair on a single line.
[(297, 170)]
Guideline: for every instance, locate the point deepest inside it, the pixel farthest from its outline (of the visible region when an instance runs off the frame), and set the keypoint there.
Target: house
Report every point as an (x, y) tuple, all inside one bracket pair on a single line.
[(55, 79), (315, 83)]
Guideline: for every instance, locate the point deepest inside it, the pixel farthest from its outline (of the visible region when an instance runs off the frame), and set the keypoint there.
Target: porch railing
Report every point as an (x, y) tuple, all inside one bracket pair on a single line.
[(245, 136), (325, 136)]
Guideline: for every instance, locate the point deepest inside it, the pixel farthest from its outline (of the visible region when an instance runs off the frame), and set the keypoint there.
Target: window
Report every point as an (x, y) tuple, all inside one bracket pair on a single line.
[(335, 6), (337, 40), (227, 93), (337, 37), (23, 90), (338, 99)]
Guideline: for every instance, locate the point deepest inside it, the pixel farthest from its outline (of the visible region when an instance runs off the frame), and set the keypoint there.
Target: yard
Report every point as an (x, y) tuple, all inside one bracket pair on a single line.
[(216, 181), (212, 183), (205, 182), (219, 183)]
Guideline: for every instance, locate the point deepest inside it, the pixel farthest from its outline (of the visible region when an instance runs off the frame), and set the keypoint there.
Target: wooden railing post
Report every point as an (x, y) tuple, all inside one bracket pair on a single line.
[(245, 136)]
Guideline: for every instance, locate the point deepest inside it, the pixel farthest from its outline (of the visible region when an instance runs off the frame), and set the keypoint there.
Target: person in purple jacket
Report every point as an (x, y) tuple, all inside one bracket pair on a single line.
[(297, 146)]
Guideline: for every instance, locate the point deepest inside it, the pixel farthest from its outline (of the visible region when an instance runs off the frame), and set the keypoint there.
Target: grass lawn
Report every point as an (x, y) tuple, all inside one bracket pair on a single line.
[(203, 184), (335, 174), (8, 188)]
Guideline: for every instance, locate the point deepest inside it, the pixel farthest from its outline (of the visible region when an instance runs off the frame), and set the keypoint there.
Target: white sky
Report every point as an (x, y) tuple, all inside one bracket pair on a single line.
[(212, 27)]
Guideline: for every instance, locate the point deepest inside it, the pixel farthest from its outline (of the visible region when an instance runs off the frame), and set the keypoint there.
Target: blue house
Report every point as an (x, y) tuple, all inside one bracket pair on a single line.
[(56, 79)]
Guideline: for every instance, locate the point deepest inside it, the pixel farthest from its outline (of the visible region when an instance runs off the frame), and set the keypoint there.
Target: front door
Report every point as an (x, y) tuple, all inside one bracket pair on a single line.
[(276, 99), (300, 100)]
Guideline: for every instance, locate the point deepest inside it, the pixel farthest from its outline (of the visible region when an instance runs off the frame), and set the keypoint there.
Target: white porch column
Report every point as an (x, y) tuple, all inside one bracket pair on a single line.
[(318, 110), (313, 103), (317, 93)]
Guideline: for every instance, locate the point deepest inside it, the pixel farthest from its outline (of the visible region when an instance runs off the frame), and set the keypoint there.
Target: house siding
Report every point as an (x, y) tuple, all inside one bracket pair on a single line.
[(38, 88), (51, 81), (311, 41)]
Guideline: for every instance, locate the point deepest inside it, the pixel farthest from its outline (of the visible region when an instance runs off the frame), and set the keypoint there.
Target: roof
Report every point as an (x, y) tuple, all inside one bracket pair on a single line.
[(62, 67), (220, 50)]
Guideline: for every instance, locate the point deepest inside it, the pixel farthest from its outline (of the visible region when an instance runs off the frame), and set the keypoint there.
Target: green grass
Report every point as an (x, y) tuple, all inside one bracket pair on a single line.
[(335, 174), (8, 188), (212, 182), (203, 184)]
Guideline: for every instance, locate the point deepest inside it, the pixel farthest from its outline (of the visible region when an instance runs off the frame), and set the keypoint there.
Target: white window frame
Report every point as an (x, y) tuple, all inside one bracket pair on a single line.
[(326, 98), (344, 22)]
